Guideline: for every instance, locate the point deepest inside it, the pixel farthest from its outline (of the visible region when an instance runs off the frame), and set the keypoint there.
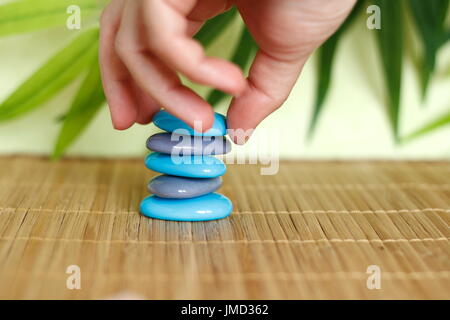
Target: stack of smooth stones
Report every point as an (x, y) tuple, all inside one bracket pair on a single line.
[(190, 174)]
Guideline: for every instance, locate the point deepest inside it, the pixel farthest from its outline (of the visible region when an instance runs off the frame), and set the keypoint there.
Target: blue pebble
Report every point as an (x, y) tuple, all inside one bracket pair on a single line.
[(186, 166), (180, 188), (168, 122), (171, 143), (208, 207)]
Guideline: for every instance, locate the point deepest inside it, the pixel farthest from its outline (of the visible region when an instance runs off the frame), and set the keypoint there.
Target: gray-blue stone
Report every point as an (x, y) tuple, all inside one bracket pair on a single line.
[(166, 186), (169, 143)]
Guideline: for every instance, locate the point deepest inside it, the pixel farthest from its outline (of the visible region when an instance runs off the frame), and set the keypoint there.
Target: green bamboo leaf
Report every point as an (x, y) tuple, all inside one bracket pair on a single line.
[(438, 123), (53, 76), (215, 26), (390, 43), (85, 106), (30, 15), (242, 55), (326, 55), (429, 18)]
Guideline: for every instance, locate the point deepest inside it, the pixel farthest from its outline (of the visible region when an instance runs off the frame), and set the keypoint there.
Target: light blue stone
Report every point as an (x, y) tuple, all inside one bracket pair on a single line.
[(168, 122), (208, 207), (186, 166)]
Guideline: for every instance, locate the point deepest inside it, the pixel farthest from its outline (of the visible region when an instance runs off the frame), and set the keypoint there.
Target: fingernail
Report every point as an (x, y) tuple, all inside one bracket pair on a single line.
[(240, 137)]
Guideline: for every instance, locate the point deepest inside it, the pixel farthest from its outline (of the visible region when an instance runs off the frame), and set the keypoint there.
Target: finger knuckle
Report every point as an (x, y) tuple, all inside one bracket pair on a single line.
[(120, 47), (278, 102), (105, 17)]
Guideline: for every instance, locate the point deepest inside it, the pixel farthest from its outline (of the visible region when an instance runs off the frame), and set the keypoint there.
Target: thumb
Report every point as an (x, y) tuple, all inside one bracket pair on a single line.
[(269, 83)]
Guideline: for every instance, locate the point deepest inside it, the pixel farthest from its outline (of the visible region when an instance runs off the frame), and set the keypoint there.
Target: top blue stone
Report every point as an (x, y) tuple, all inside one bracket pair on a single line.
[(168, 122)]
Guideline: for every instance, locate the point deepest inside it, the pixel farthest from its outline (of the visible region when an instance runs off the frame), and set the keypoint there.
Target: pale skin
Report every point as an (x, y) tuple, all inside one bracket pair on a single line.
[(145, 44)]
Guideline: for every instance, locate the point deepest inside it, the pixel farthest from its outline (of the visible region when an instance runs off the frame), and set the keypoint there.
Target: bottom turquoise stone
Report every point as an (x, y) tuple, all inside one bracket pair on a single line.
[(208, 207)]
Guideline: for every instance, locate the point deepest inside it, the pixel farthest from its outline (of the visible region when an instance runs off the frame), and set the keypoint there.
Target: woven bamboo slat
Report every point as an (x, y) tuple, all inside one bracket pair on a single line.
[(311, 231)]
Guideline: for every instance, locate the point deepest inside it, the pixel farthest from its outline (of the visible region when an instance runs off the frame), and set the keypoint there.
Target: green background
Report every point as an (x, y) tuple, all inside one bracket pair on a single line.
[(353, 125)]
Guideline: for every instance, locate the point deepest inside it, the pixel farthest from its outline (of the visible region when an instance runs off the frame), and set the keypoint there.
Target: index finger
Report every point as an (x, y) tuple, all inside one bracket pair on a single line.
[(166, 31)]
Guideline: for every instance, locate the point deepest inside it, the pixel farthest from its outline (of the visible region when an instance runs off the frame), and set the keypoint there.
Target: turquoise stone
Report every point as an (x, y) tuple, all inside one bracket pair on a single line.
[(208, 207), (168, 122), (186, 166)]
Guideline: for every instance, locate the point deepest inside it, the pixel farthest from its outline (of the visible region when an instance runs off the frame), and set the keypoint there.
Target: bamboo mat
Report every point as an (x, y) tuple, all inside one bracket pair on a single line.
[(311, 231)]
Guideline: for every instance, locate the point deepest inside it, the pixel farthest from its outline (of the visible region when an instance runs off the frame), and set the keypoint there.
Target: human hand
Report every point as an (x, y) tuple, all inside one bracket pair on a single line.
[(145, 43)]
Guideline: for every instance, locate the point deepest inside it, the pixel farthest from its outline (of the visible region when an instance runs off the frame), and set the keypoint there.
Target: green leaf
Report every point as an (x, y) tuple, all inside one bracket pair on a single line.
[(438, 123), (52, 77), (85, 106), (429, 18), (390, 43), (242, 55), (326, 55), (213, 27), (30, 15)]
